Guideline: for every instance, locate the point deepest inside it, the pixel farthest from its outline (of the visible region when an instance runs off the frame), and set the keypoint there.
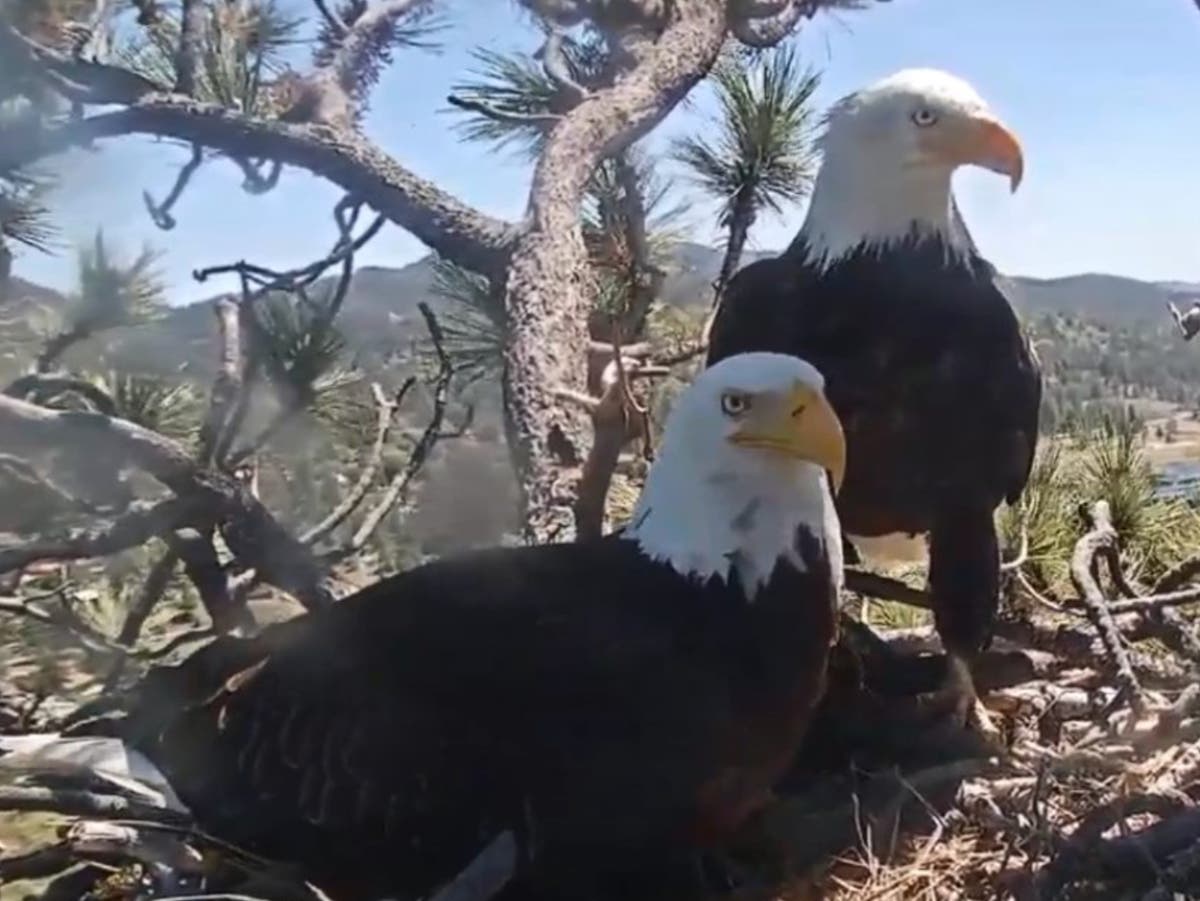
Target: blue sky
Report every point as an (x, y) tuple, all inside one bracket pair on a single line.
[(1103, 93)]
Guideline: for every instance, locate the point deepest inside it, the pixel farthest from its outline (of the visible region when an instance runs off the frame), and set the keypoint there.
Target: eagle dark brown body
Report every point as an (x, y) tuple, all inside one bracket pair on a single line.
[(937, 389), (593, 701)]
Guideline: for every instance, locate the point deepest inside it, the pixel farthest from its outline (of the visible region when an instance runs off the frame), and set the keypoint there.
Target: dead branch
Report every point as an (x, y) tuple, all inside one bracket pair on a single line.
[(44, 387), (160, 213), (387, 412), (1136, 858), (226, 610), (152, 590), (249, 529), (431, 435), (1178, 576), (218, 420), (101, 537), (80, 803), (36, 865), (1100, 541), (60, 618), (1154, 602), (612, 414), (255, 182), (875, 585)]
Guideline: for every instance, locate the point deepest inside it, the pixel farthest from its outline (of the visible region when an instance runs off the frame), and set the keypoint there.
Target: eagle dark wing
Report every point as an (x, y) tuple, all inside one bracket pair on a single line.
[(925, 364), (578, 694)]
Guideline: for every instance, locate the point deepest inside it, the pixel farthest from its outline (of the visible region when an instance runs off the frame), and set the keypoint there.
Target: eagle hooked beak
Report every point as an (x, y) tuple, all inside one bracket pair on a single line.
[(991, 145), (804, 427)]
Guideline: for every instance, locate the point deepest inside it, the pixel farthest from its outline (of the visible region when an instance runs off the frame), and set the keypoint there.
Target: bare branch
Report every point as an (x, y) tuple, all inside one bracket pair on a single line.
[(1102, 536), (141, 522), (205, 571), (161, 212), (878, 586), (420, 452), (451, 228), (47, 386), (151, 592), (214, 431), (356, 495), (255, 182), (81, 803), (248, 528), (61, 618)]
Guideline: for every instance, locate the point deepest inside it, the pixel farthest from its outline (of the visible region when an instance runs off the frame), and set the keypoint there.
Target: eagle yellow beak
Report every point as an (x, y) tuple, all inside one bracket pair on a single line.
[(985, 141), (804, 427), (992, 146)]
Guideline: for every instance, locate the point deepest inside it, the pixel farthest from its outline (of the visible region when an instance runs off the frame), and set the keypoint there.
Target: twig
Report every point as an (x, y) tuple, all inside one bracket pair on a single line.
[(152, 590), (80, 803), (161, 212), (387, 412), (255, 182), (875, 585), (1103, 537), (141, 522), (60, 619), (420, 452), (37, 864)]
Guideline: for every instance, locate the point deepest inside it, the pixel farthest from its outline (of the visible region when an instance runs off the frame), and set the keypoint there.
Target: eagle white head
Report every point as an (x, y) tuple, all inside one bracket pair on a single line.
[(743, 464), (889, 153)]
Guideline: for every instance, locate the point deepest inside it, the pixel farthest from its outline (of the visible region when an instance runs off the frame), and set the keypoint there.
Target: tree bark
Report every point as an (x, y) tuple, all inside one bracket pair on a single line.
[(739, 230), (442, 222), (191, 37), (548, 292)]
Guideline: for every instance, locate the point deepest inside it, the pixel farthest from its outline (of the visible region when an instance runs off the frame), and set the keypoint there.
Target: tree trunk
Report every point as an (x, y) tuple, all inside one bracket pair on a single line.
[(548, 292), (740, 222)]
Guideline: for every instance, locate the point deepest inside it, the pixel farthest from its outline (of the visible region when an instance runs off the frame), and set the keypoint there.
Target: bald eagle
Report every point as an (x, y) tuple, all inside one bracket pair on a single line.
[(633, 695), (883, 289)]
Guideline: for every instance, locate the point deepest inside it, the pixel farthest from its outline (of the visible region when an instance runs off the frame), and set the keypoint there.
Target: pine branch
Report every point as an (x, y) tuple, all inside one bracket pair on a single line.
[(451, 228)]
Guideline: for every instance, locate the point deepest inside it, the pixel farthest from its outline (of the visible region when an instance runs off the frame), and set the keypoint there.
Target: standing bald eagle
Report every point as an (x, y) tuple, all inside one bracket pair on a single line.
[(926, 364), (634, 695)]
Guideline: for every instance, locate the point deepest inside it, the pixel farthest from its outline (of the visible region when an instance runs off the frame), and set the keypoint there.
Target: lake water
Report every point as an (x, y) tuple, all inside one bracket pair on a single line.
[(1178, 479)]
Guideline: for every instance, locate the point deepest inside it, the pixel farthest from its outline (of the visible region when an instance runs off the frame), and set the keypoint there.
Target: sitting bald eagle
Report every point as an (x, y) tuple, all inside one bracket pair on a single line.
[(633, 695), (926, 364)]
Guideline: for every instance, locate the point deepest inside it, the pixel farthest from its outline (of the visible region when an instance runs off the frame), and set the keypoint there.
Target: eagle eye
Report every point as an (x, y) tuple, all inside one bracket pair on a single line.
[(924, 117), (734, 403)]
